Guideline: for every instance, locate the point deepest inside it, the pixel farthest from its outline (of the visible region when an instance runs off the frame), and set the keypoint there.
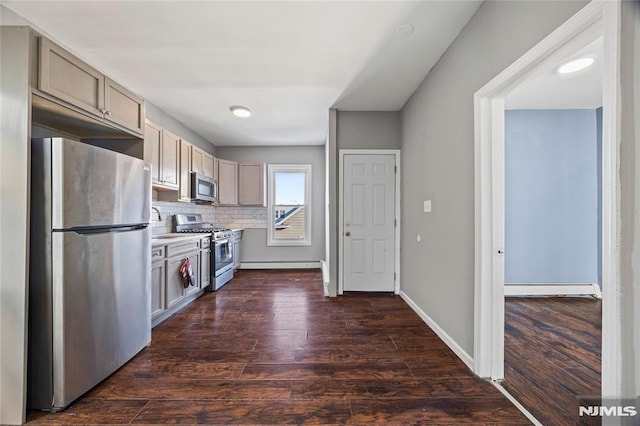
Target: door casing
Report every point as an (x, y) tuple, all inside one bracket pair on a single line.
[(342, 153), (594, 20)]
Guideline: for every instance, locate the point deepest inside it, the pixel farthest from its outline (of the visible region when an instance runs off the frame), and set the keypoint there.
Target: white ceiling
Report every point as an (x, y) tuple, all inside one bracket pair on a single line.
[(289, 61), (550, 90)]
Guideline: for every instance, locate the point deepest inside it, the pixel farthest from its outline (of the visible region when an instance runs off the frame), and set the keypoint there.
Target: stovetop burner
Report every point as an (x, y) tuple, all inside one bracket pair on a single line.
[(204, 230), (192, 223)]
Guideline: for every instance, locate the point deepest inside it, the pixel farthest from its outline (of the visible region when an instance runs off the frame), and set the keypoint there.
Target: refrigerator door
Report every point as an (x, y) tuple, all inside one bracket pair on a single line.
[(101, 306), (96, 187)]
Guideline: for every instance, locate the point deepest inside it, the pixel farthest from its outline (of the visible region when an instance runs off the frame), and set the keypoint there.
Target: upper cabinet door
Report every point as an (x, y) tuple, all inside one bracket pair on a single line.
[(170, 157), (66, 77), (152, 150), (227, 182), (251, 187), (123, 107), (185, 170), (197, 157), (207, 165)]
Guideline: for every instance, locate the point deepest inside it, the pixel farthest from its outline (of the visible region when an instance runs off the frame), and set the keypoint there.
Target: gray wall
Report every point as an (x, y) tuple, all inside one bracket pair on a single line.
[(551, 196), (368, 130), (170, 123), (353, 130), (438, 157), (15, 103), (254, 241), (630, 199)]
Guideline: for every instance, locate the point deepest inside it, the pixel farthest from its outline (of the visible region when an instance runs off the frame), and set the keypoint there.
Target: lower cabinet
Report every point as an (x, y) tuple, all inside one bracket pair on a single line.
[(236, 253), (175, 289), (168, 293), (236, 239), (157, 288), (205, 266)]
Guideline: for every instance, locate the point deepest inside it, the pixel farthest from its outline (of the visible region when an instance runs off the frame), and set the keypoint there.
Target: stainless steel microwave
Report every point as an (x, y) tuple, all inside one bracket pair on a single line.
[(203, 188)]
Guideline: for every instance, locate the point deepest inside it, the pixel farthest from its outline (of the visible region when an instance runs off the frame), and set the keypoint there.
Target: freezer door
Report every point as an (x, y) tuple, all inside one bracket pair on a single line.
[(101, 307), (93, 186)]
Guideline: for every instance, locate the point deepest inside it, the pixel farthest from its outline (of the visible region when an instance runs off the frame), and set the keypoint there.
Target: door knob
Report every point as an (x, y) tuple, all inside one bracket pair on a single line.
[(347, 233)]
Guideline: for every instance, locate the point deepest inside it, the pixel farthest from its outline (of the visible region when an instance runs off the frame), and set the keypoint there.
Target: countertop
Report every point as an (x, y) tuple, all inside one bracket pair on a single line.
[(163, 239), (173, 237)]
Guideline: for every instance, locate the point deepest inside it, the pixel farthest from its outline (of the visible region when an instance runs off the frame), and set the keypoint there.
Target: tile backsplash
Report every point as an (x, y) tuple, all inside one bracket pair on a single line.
[(241, 217), (223, 217), (167, 210)]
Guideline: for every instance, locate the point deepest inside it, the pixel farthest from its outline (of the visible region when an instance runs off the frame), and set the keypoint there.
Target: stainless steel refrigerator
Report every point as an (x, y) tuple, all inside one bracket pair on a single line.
[(89, 267)]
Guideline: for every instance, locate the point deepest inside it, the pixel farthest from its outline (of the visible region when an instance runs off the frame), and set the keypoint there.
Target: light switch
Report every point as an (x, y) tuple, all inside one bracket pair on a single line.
[(418, 238), (427, 206)]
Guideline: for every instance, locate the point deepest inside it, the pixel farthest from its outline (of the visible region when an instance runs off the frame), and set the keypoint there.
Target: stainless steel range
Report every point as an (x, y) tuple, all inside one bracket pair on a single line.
[(222, 251)]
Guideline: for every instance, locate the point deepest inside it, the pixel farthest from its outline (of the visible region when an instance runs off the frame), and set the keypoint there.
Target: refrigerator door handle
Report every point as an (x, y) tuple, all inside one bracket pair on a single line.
[(110, 230)]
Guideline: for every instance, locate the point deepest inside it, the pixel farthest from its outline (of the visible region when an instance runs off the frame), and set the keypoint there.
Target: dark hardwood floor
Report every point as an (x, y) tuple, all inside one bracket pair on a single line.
[(552, 355), (269, 348)]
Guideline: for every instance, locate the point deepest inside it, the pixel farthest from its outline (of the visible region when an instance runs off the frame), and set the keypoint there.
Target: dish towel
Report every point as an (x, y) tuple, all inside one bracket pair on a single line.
[(186, 274)]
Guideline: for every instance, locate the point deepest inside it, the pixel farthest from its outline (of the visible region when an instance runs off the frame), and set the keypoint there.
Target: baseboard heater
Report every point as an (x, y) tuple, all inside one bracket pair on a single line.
[(554, 289)]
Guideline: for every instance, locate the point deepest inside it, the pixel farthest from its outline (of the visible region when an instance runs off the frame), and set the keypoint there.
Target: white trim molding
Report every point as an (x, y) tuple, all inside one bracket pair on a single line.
[(448, 340), (280, 265), (554, 289), (515, 402), (596, 19), (272, 170), (326, 277), (342, 153)]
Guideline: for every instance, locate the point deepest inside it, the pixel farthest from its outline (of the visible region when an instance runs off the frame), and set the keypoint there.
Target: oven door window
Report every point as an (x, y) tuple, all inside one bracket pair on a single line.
[(224, 256)]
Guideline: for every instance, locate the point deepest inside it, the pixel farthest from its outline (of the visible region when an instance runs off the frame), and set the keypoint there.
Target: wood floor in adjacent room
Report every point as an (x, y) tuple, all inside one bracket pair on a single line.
[(269, 348), (553, 355)]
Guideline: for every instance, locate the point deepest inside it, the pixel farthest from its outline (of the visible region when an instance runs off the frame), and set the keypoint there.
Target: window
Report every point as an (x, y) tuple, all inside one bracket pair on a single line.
[(289, 196)]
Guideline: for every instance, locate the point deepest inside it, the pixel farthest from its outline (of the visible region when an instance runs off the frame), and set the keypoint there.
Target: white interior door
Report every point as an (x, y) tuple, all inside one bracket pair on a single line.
[(369, 222)]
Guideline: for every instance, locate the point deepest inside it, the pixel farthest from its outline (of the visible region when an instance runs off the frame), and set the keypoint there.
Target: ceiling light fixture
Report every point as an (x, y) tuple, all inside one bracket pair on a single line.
[(240, 111), (575, 65)]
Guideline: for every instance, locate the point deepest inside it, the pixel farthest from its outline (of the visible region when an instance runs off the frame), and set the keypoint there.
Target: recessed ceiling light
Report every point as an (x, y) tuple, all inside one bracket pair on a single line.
[(575, 65), (240, 111)]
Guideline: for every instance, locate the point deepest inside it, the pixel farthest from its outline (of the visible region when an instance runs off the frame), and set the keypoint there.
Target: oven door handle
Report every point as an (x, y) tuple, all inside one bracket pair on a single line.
[(220, 242)]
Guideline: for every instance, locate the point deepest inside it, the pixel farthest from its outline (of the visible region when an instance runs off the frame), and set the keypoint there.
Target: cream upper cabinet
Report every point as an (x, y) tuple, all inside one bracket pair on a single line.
[(251, 184), (152, 150), (66, 77), (197, 159), (122, 106), (169, 159), (207, 165), (161, 149), (185, 170), (227, 182)]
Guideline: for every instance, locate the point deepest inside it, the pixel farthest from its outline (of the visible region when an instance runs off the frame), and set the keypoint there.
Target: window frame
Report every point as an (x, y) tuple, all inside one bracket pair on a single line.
[(272, 169)]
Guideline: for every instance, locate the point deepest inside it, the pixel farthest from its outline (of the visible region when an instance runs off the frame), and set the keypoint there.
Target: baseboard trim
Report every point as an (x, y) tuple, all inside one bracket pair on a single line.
[(574, 289), (515, 402), (448, 340), (325, 277), (280, 265)]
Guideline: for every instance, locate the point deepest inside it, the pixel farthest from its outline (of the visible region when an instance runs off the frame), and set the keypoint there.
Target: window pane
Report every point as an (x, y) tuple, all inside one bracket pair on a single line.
[(289, 188), (289, 222)]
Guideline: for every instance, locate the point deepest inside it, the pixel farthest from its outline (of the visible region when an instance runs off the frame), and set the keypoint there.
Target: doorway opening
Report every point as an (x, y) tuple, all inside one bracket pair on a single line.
[(593, 21), (553, 230)]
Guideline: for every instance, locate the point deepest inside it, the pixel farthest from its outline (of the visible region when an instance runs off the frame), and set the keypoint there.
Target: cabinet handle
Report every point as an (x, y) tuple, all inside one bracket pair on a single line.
[(103, 111), (108, 112)]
